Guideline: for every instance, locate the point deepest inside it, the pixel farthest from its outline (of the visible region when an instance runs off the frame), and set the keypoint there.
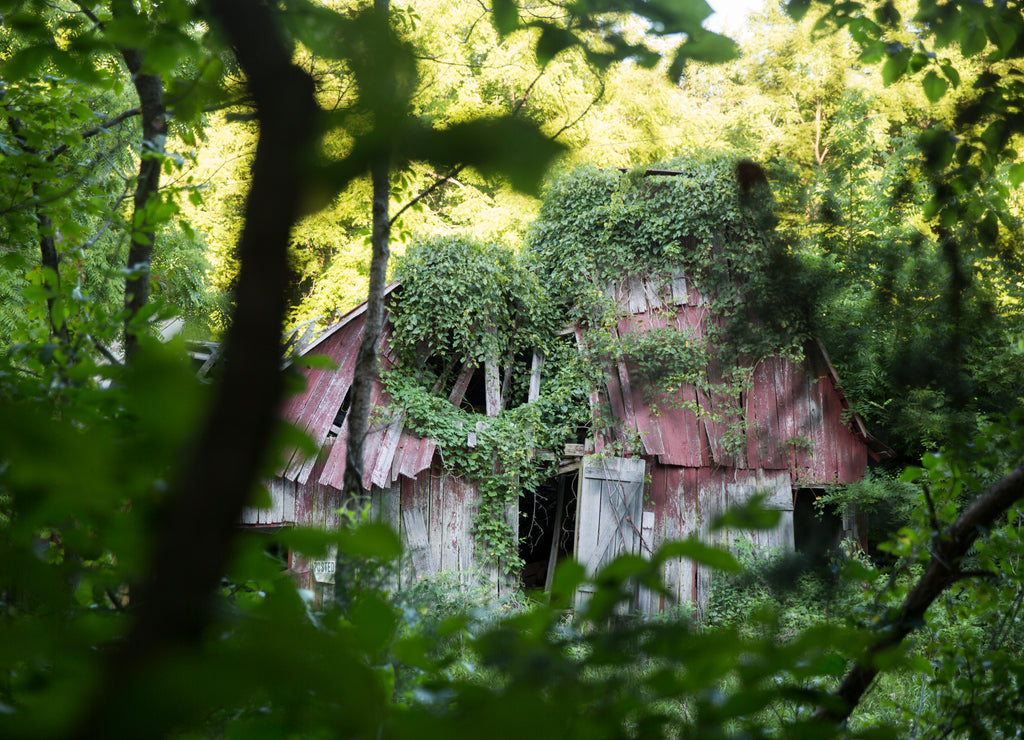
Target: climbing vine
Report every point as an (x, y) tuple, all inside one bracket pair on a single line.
[(465, 302), (599, 229)]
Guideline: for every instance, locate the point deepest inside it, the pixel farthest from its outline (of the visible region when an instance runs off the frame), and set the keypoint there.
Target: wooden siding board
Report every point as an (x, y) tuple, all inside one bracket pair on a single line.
[(819, 442), (680, 430), (377, 426), (336, 348), (688, 524), (628, 417), (639, 410), (833, 427), (320, 423), (755, 434), (854, 459), (720, 414), (381, 473), (391, 506), (770, 435), (467, 552), (404, 441), (406, 502), (709, 505), (435, 520), (414, 464), (666, 489), (304, 493), (450, 523), (785, 408), (250, 515), (803, 406), (334, 463), (646, 603), (615, 400), (679, 425), (288, 512), (415, 538)]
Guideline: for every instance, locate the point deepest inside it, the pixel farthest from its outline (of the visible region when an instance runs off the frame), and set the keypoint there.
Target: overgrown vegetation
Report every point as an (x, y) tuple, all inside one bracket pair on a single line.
[(130, 606), (466, 302), (711, 229)]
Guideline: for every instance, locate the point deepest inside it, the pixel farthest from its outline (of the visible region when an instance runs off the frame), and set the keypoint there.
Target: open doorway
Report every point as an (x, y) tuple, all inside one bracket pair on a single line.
[(547, 528), (817, 530)]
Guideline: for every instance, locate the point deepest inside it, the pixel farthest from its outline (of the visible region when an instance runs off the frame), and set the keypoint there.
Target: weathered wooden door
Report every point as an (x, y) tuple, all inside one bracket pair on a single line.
[(609, 513)]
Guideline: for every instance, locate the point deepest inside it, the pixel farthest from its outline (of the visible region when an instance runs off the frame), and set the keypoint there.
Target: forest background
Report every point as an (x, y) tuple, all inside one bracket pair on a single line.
[(131, 143)]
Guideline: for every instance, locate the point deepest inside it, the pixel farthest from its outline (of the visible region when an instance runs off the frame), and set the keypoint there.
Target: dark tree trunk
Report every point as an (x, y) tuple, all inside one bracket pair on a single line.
[(48, 255), (150, 90), (50, 258), (193, 542)]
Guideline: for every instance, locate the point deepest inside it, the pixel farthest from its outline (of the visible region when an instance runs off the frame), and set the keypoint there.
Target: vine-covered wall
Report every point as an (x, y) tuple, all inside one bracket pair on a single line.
[(640, 301)]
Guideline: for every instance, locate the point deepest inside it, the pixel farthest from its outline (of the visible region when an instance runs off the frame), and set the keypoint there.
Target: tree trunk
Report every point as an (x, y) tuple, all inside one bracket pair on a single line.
[(221, 469), (150, 90), (366, 363)]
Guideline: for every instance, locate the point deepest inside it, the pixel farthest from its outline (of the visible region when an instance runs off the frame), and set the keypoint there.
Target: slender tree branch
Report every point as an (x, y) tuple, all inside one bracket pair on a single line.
[(101, 128), (941, 573), (366, 362), (454, 172)]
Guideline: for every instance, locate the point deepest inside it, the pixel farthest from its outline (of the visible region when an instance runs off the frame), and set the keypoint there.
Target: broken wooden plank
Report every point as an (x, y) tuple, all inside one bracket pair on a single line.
[(637, 301), (679, 293), (415, 537), (654, 301)]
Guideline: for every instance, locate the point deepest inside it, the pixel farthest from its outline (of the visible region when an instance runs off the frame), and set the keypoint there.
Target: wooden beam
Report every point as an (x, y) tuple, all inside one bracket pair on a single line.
[(536, 364), (556, 534), (492, 387)]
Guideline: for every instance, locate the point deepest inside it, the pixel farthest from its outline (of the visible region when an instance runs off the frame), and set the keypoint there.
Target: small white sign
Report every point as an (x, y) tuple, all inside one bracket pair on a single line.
[(323, 570)]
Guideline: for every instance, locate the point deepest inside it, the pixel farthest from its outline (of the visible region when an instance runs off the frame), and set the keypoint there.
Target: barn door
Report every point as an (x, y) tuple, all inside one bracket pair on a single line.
[(609, 513)]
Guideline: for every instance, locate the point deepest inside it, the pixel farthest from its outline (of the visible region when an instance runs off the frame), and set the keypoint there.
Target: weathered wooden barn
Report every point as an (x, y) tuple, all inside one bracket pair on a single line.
[(797, 439), (653, 466)]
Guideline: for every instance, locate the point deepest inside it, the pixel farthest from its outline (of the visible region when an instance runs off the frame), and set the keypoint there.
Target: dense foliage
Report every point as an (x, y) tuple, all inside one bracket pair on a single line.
[(129, 604), (464, 303), (599, 228)]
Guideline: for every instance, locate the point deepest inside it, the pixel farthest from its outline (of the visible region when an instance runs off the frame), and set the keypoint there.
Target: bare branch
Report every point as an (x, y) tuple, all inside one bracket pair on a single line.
[(101, 128), (941, 573)]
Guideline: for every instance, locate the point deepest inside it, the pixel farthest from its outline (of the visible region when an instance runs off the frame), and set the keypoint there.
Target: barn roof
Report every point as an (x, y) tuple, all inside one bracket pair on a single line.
[(390, 450), (794, 414), (788, 402)]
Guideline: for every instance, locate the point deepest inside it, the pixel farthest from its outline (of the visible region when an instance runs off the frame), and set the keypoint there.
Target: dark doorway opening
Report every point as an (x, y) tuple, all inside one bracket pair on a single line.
[(547, 528), (817, 529)]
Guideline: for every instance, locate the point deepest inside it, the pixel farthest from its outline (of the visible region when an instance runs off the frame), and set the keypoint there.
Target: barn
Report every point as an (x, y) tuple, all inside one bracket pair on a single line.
[(663, 454)]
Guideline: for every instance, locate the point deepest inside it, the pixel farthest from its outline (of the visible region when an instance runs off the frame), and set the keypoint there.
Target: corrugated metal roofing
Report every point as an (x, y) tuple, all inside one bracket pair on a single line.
[(791, 416)]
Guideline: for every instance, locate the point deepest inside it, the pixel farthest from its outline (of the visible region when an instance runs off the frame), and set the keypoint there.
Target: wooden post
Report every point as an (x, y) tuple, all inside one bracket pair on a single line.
[(492, 387), (556, 534), (535, 367)]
